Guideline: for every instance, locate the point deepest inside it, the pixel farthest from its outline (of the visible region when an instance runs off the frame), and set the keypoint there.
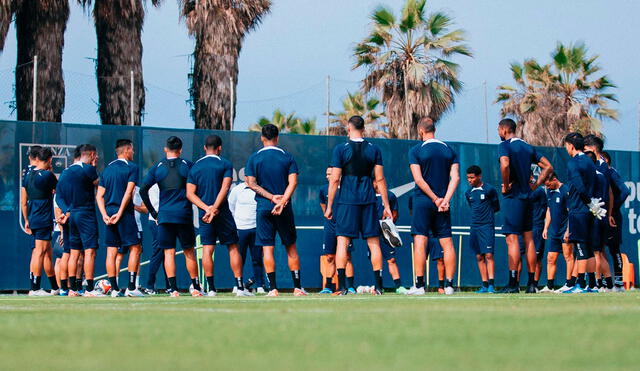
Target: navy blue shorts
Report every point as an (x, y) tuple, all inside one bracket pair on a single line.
[(599, 233), (582, 251), (555, 245), (388, 252), (267, 225), (66, 235), (222, 228), (615, 234), (435, 250), (42, 234), (580, 225), (168, 232), (55, 246), (330, 240), (518, 215), (427, 221), (482, 239), (83, 230), (125, 249), (124, 233), (246, 239), (538, 241), (357, 220)]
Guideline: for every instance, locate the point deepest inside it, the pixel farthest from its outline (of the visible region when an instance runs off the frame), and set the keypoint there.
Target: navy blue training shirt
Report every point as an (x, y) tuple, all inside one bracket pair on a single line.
[(81, 177), (581, 182), (603, 168), (539, 204), (271, 167), (393, 204), (435, 159), (521, 156), (601, 187), (64, 192), (40, 185), (557, 202), (618, 188), (171, 177), (115, 178), (207, 175), (484, 204), (357, 159)]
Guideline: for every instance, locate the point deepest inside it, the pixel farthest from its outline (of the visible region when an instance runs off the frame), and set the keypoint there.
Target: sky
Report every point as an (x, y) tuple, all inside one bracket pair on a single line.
[(285, 62)]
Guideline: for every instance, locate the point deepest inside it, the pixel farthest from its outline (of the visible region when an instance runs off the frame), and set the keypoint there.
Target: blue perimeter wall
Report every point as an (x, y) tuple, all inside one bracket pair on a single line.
[(312, 154)]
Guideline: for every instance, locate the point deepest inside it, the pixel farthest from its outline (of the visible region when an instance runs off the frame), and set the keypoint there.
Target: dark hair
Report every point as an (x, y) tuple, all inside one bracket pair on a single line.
[(592, 140), (212, 141), (592, 156), (474, 169), (174, 143), (77, 152), (44, 154), (606, 156), (270, 131), (88, 148), (426, 123), (509, 124), (33, 151), (357, 122), (552, 176), (123, 143), (576, 140)]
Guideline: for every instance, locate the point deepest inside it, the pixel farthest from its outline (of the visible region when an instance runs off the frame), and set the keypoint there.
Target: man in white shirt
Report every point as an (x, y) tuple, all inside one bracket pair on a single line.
[(242, 204)]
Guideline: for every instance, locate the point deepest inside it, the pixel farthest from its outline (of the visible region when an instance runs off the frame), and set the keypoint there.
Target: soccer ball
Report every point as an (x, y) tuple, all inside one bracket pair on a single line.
[(191, 289), (103, 286)]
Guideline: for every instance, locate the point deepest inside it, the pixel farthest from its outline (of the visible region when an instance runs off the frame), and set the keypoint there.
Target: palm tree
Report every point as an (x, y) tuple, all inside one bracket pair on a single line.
[(407, 62), (118, 31), (356, 104), (287, 123), (6, 13), (40, 26), (219, 27), (552, 99)]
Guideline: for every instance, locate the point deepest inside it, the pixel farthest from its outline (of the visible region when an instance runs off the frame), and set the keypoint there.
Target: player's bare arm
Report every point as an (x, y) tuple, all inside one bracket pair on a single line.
[(378, 172), (334, 181)]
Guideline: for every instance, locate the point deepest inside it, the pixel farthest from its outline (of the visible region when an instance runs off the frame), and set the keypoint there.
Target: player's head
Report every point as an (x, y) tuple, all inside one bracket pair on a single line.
[(573, 143), (173, 146), (607, 157), (426, 127), (77, 152), (43, 158), (355, 124), (270, 134), (33, 154), (592, 156), (506, 128), (212, 144), (88, 154), (124, 148), (593, 143), (474, 175), (552, 181), (328, 172)]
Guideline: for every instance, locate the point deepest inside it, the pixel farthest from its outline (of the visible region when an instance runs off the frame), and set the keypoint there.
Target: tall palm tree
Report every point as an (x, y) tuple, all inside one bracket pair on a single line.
[(219, 27), (287, 123), (552, 99), (408, 63), (40, 26), (6, 13), (118, 31), (356, 104)]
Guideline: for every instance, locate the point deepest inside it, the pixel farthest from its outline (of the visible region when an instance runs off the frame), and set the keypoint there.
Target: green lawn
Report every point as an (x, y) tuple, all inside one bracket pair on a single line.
[(466, 331)]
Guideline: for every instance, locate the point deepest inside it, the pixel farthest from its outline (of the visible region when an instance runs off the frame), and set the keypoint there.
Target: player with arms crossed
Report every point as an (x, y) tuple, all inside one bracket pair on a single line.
[(516, 157), (434, 167), (272, 173), (355, 165)]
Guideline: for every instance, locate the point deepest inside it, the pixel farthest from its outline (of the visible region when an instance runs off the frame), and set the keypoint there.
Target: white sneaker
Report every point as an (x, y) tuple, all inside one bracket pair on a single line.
[(133, 293), (545, 289), (260, 290), (415, 291), (235, 289), (618, 289), (55, 292), (602, 289), (563, 289), (40, 292), (212, 293), (244, 292), (448, 290), (93, 294)]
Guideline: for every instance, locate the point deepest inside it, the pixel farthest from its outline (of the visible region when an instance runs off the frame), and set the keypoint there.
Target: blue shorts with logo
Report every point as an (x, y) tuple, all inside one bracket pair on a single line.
[(599, 233), (517, 213), (427, 221), (435, 250), (538, 241), (355, 221), (222, 228), (267, 225), (330, 240), (482, 239), (169, 232), (83, 230), (580, 225), (388, 252), (41, 234), (124, 233)]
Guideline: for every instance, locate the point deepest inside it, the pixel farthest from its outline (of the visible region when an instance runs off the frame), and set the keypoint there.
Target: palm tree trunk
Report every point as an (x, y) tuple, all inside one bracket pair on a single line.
[(40, 26), (6, 12), (118, 30)]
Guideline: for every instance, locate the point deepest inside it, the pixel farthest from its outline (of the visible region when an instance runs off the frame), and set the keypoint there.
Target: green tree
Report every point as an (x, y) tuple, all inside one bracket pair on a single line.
[(287, 123), (553, 99), (356, 104), (408, 63)]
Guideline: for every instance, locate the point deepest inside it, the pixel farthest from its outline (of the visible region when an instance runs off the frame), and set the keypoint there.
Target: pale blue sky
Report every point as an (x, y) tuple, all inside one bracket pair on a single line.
[(284, 62)]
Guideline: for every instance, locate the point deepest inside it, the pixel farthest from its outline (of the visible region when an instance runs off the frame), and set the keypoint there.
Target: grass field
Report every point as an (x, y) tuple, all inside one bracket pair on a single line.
[(465, 331)]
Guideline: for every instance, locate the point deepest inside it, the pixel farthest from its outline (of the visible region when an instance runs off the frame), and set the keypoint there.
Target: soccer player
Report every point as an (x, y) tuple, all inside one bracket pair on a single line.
[(389, 252), (37, 191), (207, 188), (139, 208), (272, 173), (82, 178), (115, 202), (539, 209), (483, 201), (620, 192), (355, 166), (581, 182), (435, 253), (516, 157), (330, 244), (434, 166), (242, 204), (555, 226), (174, 214)]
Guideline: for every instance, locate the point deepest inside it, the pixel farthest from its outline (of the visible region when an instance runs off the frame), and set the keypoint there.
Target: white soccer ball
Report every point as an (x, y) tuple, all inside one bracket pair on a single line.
[(362, 289), (191, 289), (103, 286)]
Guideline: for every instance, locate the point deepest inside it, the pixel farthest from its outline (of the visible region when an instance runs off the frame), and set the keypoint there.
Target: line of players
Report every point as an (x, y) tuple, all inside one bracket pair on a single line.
[(354, 202)]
